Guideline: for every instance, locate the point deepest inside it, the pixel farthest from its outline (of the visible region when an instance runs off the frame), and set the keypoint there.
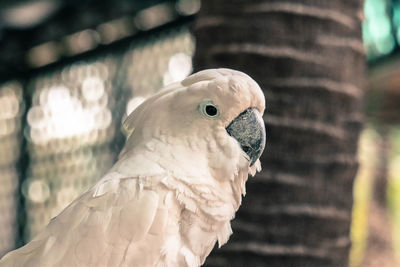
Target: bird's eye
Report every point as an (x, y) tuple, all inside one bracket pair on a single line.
[(209, 109)]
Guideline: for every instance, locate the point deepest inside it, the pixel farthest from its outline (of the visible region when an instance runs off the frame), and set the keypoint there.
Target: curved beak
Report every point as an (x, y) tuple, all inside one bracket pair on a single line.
[(249, 130)]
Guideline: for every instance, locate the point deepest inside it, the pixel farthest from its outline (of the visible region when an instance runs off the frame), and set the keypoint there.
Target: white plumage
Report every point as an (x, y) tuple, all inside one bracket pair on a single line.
[(172, 193)]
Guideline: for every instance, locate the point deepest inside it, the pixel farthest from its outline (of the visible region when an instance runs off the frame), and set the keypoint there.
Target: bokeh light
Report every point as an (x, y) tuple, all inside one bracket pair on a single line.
[(69, 130), (73, 124), (377, 28), (11, 111), (155, 62)]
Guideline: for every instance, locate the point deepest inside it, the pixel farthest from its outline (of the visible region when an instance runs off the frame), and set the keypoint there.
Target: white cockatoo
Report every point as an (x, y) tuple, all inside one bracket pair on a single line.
[(176, 186)]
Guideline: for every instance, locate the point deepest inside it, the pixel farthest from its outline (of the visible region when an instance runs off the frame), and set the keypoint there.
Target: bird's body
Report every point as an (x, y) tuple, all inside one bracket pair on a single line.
[(172, 193)]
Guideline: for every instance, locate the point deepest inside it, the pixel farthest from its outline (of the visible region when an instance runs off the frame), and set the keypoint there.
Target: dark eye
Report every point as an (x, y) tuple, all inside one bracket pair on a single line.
[(211, 110)]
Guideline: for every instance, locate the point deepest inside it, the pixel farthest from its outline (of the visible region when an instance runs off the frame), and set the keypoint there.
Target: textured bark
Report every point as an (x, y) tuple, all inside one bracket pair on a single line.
[(308, 58)]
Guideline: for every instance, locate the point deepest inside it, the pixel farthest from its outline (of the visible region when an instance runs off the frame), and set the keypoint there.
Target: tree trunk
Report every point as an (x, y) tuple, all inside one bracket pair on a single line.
[(309, 60)]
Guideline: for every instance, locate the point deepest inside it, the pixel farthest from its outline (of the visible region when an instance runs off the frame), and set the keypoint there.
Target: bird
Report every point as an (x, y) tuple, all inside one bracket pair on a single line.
[(177, 183)]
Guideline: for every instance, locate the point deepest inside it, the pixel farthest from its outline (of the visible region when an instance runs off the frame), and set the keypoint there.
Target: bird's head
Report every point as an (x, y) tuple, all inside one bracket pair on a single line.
[(212, 117)]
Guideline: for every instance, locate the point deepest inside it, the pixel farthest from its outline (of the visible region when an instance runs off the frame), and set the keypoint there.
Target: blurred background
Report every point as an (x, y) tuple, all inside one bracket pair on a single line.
[(70, 72)]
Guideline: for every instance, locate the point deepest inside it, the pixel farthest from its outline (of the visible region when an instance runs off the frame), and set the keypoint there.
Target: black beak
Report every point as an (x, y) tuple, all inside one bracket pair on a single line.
[(249, 130)]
